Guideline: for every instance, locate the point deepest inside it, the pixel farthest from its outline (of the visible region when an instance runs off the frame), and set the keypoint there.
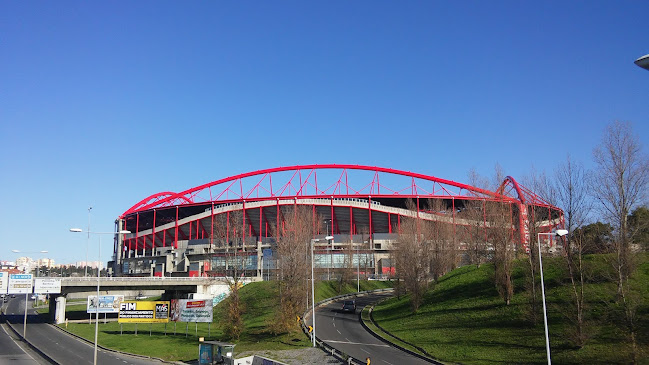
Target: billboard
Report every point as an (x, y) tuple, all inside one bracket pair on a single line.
[(20, 284), (143, 312), (47, 286), (189, 310), (105, 304), (4, 280)]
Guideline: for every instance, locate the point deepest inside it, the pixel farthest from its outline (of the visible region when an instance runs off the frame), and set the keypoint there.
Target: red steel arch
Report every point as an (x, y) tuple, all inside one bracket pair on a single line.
[(305, 177)]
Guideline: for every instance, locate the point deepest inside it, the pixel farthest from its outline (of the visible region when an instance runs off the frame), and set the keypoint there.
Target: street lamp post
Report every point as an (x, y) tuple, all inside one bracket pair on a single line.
[(79, 230), (327, 238), (85, 266), (557, 233)]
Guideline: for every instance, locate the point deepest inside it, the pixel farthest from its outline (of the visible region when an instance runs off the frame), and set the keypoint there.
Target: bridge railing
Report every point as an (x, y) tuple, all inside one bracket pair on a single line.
[(118, 279)]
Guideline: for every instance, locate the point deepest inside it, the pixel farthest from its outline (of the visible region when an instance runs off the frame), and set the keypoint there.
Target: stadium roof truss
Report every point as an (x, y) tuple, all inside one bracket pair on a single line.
[(335, 187)]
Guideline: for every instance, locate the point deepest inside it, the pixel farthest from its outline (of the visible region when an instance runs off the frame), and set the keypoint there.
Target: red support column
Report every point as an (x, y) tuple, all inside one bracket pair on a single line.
[(137, 230), (227, 230), (351, 222), (261, 230), (331, 217), (176, 231), (389, 224), (211, 225), (153, 233), (243, 228), (369, 206)]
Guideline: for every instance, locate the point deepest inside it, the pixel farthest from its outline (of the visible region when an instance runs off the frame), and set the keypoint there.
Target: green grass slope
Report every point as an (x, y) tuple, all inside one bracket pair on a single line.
[(464, 320)]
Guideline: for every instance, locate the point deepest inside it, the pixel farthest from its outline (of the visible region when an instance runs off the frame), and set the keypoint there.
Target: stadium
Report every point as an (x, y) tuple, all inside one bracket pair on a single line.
[(350, 208)]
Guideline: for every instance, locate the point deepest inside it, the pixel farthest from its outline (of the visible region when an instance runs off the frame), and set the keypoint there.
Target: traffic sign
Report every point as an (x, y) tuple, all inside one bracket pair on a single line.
[(47, 286), (4, 279), (20, 283)]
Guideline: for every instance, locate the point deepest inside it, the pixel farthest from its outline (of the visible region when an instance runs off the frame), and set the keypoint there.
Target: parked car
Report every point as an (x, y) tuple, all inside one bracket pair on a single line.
[(349, 306)]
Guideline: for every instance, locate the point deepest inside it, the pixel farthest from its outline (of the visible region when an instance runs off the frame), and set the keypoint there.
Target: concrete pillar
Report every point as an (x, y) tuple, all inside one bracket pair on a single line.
[(260, 262)]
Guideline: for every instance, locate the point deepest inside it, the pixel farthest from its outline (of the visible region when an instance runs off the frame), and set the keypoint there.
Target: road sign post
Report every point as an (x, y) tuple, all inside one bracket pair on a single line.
[(21, 284)]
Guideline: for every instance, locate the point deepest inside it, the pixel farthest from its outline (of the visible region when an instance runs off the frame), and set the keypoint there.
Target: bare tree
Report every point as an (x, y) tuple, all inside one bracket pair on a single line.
[(293, 265), (500, 236), (412, 256), (227, 232), (620, 184), (441, 240), (572, 196), (475, 236)]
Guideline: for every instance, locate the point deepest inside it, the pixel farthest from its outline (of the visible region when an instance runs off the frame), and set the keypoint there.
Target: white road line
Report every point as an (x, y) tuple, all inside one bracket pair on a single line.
[(339, 332), (357, 343), (367, 352), (386, 362)]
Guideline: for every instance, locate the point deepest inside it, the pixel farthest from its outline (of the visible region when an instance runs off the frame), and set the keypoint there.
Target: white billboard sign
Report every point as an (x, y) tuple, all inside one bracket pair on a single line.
[(47, 286), (105, 304), (20, 283), (187, 310), (4, 280)]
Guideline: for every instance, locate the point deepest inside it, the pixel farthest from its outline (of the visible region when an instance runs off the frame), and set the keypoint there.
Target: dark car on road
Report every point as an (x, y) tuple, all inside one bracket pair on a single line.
[(349, 306)]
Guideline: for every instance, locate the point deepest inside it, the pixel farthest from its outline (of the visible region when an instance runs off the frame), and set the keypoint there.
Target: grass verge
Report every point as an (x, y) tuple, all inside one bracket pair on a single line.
[(464, 320)]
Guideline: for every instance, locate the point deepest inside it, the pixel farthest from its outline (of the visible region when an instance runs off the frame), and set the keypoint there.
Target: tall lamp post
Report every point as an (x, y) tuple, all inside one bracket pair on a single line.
[(327, 238), (79, 230), (85, 271), (557, 233)]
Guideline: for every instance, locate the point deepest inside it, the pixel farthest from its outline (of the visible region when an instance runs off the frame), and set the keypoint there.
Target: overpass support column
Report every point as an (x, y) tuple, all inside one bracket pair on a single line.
[(119, 248)]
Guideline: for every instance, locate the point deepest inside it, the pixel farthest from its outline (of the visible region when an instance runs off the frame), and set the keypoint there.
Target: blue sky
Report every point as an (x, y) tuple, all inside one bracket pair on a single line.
[(105, 103)]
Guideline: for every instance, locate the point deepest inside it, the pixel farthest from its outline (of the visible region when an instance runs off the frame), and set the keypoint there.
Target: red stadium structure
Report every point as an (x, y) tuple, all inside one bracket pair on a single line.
[(173, 233)]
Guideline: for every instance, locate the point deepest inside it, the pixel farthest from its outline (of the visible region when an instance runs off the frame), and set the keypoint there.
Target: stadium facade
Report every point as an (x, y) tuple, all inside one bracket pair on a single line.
[(359, 208)]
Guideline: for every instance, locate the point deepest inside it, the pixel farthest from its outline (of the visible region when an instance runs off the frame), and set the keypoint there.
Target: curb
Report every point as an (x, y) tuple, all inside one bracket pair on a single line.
[(428, 357), (31, 346)]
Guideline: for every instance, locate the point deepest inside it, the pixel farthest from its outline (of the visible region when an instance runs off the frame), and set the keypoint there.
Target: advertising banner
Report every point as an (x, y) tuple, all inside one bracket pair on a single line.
[(188, 310), (47, 286), (143, 312), (106, 303), (20, 284), (4, 281)]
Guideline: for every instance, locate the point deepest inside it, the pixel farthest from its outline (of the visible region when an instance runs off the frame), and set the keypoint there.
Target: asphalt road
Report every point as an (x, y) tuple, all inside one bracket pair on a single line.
[(344, 332), (10, 352), (58, 345)]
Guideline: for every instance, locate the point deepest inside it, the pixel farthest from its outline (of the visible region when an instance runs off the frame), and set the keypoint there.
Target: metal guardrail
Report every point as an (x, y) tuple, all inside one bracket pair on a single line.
[(340, 355)]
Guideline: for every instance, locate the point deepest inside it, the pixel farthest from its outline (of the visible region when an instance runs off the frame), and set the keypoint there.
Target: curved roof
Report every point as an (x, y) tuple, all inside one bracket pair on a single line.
[(331, 180)]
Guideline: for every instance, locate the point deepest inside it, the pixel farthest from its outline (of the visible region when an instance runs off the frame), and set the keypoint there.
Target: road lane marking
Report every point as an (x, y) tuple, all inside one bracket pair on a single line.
[(357, 343), (386, 362), (367, 352), (339, 332)]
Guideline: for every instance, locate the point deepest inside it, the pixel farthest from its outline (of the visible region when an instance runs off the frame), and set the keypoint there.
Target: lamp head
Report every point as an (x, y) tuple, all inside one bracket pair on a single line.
[(76, 230), (329, 238), (124, 231), (643, 62), (561, 232)]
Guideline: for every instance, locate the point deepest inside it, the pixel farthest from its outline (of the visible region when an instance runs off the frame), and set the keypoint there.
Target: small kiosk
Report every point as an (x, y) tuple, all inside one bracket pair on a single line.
[(215, 352)]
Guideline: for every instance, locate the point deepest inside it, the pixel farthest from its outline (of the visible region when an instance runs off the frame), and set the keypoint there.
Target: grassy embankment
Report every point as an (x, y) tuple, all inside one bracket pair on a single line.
[(260, 305), (464, 320)]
